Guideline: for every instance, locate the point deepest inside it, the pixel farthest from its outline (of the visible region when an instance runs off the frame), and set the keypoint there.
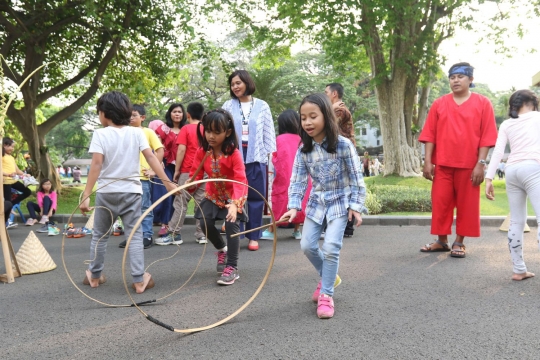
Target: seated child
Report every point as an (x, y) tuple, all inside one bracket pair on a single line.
[(46, 204)]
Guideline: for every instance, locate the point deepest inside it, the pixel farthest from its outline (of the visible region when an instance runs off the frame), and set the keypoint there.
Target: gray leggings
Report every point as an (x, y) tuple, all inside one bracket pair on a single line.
[(128, 207), (522, 180)]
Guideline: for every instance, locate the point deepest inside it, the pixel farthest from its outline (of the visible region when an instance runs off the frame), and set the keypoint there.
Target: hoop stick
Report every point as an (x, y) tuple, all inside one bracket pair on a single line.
[(199, 168), (259, 228)]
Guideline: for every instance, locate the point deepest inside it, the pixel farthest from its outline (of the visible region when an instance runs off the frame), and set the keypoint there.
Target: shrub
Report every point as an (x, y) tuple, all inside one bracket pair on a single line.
[(372, 203), (395, 198)]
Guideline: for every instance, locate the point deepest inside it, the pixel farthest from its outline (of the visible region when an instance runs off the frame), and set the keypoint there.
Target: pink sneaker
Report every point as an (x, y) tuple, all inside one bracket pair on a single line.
[(163, 231), (317, 291), (325, 307)]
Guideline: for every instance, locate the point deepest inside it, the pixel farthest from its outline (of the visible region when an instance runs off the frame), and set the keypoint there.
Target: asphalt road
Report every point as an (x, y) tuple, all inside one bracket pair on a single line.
[(395, 303)]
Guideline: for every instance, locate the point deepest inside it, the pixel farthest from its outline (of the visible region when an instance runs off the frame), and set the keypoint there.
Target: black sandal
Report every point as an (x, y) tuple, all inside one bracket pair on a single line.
[(428, 247), (454, 252)]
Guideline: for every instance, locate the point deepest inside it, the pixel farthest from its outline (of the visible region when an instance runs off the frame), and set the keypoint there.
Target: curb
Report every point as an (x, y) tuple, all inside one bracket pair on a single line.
[(368, 220)]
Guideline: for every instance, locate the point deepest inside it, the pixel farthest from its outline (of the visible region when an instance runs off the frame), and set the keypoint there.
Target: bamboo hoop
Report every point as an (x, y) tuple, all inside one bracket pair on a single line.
[(235, 313)]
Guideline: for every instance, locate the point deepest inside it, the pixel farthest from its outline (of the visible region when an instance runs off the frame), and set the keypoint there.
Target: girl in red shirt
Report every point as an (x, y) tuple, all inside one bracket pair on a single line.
[(223, 200)]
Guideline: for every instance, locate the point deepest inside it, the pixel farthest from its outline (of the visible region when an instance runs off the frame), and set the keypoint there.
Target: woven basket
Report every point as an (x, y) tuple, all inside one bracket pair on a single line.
[(33, 258)]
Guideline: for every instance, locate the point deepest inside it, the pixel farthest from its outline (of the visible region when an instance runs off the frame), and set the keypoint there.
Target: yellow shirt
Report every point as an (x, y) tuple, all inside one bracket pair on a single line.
[(9, 167), (154, 143)]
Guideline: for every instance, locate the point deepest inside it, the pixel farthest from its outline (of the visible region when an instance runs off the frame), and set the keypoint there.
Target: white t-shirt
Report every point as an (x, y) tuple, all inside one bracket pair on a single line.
[(120, 148), (523, 134), (246, 109)]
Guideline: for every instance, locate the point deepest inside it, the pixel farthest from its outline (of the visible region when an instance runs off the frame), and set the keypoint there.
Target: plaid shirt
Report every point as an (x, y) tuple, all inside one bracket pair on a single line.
[(338, 184)]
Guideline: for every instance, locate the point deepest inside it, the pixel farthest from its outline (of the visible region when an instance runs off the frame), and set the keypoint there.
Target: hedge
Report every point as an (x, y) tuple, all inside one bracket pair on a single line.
[(394, 198)]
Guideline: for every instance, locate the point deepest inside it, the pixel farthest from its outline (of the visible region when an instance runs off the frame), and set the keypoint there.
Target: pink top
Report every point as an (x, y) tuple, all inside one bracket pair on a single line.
[(283, 160), (523, 134), (51, 195)]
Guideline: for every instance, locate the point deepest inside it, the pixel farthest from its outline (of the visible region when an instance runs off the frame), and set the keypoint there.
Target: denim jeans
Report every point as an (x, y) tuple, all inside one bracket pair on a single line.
[(145, 204), (325, 260)]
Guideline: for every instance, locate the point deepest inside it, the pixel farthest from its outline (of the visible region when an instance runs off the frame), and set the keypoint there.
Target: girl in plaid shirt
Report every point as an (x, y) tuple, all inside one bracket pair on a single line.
[(337, 195)]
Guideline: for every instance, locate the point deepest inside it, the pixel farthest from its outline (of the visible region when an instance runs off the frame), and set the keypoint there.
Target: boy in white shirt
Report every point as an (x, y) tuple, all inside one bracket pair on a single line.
[(115, 154)]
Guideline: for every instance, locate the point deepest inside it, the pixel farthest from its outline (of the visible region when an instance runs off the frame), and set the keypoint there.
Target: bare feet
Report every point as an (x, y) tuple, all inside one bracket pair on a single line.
[(147, 283), (522, 276), (88, 280)]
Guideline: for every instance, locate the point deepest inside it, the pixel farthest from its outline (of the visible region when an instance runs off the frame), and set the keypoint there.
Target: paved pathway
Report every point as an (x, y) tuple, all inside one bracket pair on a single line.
[(394, 303)]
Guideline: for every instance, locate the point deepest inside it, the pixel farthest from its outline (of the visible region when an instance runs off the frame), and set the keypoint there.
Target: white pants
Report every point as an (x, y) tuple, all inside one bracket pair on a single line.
[(522, 180)]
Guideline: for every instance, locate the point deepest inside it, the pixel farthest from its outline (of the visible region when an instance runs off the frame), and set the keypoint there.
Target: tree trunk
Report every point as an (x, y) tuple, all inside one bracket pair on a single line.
[(399, 158), (422, 115), (409, 106), (25, 120)]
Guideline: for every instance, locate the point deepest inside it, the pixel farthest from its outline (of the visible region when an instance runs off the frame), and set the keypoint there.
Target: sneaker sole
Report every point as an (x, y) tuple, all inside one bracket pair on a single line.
[(178, 242), (324, 316), (222, 282), (163, 244)]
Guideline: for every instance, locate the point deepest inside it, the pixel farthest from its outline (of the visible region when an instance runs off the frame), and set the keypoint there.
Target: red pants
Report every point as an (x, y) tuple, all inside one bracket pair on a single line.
[(452, 188)]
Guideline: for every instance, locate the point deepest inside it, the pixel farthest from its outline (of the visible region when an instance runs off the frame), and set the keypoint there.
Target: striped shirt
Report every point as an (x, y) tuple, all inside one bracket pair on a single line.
[(337, 179)]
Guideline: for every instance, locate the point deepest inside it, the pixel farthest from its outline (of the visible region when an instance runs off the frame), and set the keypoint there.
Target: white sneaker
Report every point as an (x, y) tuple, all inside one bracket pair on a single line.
[(11, 225), (202, 240), (169, 240)]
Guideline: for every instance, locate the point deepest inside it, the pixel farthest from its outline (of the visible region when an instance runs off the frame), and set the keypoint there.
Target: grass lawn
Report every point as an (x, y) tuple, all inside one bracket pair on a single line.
[(497, 207)]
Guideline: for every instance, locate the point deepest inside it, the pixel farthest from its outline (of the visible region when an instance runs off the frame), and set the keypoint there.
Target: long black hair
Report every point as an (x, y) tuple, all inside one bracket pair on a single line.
[(520, 98), (289, 122), (168, 119), (330, 123), (218, 121), (6, 142)]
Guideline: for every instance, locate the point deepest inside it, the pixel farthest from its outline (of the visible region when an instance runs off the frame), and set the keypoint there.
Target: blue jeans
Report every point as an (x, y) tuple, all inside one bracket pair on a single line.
[(325, 261), (145, 204)]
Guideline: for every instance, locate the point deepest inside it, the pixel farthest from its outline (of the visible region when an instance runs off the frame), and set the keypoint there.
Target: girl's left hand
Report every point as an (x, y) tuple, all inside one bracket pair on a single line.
[(490, 191), (357, 216), (231, 215)]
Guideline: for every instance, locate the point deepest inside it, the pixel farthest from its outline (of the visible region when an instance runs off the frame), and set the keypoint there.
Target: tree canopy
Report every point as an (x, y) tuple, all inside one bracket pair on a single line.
[(83, 42)]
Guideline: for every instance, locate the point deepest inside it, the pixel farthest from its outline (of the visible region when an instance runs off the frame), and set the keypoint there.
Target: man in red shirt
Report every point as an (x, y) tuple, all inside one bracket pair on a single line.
[(187, 147), (459, 130)]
